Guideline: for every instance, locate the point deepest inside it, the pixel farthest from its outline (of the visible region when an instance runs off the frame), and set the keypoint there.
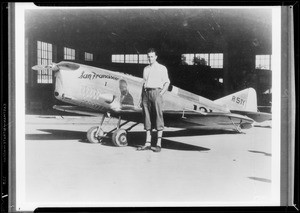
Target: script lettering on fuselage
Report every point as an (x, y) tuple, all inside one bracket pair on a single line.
[(94, 75), (238, 100)]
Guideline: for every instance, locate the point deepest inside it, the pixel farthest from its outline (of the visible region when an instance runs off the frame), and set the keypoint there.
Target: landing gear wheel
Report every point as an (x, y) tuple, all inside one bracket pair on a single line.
[(91, 135), (119, 137)]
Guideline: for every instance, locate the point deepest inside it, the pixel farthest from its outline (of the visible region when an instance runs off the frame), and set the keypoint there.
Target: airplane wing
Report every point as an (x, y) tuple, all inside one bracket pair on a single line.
[(181, 118), (77, 110), (193, 119), (125, 110)]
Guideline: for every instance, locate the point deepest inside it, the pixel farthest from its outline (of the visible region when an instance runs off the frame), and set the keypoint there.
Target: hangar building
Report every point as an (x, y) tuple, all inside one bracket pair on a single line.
[(211, 52)]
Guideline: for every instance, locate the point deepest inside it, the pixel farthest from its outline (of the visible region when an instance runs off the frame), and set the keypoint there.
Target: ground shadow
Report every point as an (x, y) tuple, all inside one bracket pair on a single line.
[(135, 139), (56, 134), (259, 152), (260, 179), (170, 144)]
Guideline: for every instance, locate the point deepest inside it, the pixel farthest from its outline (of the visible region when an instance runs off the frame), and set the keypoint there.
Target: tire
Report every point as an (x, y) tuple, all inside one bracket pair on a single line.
[(119, 137), (91, 135)]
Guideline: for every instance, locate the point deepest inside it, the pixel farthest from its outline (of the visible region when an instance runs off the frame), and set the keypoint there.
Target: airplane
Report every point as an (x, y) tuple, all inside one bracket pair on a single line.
[(98, 92)]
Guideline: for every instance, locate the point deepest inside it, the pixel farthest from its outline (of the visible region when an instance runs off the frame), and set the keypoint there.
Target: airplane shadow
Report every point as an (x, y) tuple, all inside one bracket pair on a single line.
[(135, 139), (55, 134)]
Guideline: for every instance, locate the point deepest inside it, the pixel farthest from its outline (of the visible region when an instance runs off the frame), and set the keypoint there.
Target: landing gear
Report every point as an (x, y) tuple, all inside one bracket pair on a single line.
[(238, 129), (119, 136), (237, 126), (96, 134), (92, 135)]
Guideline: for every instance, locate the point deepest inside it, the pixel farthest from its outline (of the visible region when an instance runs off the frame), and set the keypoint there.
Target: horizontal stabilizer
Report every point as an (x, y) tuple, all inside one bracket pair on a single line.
[(256, 116)]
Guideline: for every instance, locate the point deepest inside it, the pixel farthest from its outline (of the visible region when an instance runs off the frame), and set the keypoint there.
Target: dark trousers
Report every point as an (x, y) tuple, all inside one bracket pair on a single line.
[(152, 103)]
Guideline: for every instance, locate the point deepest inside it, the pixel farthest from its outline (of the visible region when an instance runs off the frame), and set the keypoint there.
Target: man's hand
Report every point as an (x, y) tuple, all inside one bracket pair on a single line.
[(164, 89), (140, 104)]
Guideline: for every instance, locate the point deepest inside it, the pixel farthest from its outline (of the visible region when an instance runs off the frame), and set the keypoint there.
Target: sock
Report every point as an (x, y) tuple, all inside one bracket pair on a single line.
[(148, 138), (159, 136)]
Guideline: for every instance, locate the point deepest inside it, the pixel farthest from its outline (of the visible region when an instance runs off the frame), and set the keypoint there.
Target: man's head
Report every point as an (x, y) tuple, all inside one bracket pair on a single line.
[(123, 87), (151, 54)]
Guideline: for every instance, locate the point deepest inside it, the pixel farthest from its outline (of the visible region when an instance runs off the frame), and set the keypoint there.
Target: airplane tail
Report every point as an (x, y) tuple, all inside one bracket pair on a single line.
[(244, 102)]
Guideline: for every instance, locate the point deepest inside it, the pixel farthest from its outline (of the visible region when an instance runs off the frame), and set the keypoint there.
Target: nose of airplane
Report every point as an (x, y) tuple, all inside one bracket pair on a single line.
[(58, 86)]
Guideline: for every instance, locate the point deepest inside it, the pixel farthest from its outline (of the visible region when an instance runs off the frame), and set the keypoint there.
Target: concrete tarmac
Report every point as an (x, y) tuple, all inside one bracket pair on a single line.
[(201, 168)]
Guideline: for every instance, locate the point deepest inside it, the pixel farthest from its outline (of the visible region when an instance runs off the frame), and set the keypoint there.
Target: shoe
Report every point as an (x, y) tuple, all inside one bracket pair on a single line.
[(142, 148), (157, 149)]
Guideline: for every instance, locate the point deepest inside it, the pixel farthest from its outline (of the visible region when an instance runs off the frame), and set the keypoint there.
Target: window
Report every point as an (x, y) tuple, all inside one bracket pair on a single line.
[(131, 58), (88, 56), (69, 54), (216, 60), (187, 59), (44, 57), (143, 59), (117, 58), (263, 62), (201, 59)]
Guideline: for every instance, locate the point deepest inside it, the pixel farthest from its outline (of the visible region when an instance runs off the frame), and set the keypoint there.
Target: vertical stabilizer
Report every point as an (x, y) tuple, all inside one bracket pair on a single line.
[(245, 100)]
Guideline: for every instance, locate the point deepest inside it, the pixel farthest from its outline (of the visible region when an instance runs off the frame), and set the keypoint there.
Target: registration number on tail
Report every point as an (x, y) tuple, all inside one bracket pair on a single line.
[(238, 100)]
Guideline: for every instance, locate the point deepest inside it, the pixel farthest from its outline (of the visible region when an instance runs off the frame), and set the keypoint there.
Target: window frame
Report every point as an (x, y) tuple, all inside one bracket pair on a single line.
[(69, 53), (117, 58), (88, 56), (214, 60), (44, 57), (131, 59), (265, 60)]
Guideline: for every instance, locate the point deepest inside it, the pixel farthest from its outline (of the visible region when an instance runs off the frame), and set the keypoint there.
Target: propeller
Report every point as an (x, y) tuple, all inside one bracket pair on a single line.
[(52, 66), (55, 67)]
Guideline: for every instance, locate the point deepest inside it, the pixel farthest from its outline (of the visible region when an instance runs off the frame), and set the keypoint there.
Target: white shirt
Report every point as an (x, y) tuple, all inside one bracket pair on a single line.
[(155, 76)]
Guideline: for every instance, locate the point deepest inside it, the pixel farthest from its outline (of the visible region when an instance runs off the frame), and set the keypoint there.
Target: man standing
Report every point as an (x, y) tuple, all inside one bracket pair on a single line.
[(156, 83)]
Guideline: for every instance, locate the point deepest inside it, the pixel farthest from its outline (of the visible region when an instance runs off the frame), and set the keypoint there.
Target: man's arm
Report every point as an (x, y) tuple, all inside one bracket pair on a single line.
[(165, 88), (140, 101), (166, 79), (144, 80)]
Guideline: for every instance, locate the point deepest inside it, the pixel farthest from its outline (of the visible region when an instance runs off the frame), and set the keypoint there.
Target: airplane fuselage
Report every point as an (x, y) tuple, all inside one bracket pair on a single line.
[(98, 89), (101, 91)]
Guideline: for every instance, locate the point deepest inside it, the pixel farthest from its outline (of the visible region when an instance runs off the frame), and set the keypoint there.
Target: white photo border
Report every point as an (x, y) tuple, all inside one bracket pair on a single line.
[(22, 205)]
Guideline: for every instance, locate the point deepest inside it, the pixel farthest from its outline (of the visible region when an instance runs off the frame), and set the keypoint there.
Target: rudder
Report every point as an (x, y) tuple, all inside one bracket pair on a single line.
[(244, 100)]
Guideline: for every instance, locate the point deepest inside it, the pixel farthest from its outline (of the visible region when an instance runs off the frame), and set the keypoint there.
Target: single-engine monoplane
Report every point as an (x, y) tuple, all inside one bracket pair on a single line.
[(98, 92)]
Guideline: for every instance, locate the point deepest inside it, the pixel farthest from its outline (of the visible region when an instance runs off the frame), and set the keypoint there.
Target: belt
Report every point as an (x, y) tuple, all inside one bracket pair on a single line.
[(149, 89)]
